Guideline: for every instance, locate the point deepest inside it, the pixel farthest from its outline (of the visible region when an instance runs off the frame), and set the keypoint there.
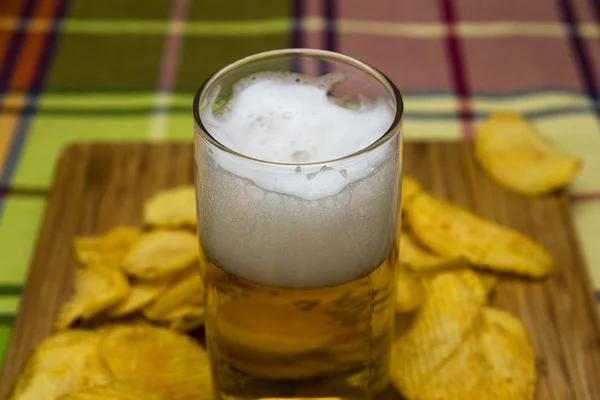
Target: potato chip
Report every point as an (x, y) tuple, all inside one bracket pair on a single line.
[(186, 290), (142, 293), (110, 247), (488, 281), (185, 318), (410, 187), (451, 231), (97, 288), (452, 305), (160, 253), (517, 156), (409, 291), (114, 391), (172, 208), (413, 256), (62, 363), (164, 361), (495, 362)]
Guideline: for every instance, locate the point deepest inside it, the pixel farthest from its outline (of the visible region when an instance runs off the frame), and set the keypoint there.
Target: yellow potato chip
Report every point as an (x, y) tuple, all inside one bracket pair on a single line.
[(63, 362), (185, 318), (409, 291), (142, 293), (495, 362), (452, 306), (413, 256), (172, 208), (108, 248), (160, 253), (488, 280), (517, 156), (452, 231), (410, 187), (186, 290), (114, 391), (97, 288), (165, 361)]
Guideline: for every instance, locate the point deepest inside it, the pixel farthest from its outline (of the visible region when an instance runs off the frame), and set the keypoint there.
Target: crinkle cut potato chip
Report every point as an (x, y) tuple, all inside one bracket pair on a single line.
[(165, 361), (62, 363), (413, 256), (517, 156), (142, 293), (172, 208), (451, 231), (114, 391), (186, 290), (496, 362), (160, 253), (97, 288), (110, 247), (452, 306)]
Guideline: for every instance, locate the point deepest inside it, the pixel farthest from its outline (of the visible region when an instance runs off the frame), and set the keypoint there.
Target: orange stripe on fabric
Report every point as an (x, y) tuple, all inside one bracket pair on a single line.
[(33, 46), (10, 8), (27, 62), (45, 8), (8, 124)]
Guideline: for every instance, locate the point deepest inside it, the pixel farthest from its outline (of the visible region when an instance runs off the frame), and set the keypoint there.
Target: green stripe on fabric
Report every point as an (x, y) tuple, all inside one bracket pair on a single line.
[(9, 289), (201, 56), (18, 234), (205, 28), (50, 134), (9, 305), (215, 10), (107, 62), (160, 9), (5, 333), (96, 100), (147, 10), (114, 100), (179, 127)]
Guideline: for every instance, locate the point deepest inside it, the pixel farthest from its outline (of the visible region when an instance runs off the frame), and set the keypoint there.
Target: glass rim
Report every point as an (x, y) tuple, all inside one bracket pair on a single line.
[(201, 130)]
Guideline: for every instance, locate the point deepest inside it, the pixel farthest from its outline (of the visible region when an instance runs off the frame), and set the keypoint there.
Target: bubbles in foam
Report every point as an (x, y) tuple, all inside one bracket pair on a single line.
[(289, 118), (282, 118)]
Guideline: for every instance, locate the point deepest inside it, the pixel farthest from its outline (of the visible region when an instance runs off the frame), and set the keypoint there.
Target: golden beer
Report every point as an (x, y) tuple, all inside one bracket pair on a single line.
[(271, 342)]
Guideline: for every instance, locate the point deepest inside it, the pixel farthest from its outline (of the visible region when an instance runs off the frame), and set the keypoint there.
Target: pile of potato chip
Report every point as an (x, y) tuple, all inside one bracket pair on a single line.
[(126, 361), (136, 290), (151, 273), (454, 345)]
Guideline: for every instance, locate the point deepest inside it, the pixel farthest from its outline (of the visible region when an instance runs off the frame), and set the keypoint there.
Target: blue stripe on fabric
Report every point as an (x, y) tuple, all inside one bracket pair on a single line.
[(584, 61)]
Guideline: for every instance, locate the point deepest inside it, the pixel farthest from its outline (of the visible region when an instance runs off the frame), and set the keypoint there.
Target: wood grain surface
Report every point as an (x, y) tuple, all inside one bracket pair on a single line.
[(99, 186)]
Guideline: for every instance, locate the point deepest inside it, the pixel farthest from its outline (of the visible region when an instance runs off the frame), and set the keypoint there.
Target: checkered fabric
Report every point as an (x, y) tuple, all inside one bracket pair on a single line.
[(80, 70)]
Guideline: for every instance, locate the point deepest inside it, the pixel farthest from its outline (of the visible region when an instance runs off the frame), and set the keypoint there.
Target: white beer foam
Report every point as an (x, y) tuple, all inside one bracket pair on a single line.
[(297, 226), (288, 118)]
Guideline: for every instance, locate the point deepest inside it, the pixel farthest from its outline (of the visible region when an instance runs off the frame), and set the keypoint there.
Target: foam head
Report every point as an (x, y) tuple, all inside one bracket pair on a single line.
[(308, 222)]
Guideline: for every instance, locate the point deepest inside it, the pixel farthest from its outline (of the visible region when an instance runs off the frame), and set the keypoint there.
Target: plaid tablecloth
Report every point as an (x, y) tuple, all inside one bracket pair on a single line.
[(78, 70)]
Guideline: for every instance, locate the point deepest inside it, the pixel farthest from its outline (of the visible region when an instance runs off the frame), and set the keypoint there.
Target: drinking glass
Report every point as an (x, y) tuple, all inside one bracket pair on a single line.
[(298, 259)]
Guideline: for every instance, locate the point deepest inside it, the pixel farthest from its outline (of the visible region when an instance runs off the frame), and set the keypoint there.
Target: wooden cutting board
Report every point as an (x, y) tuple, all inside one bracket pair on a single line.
[(99, 186)]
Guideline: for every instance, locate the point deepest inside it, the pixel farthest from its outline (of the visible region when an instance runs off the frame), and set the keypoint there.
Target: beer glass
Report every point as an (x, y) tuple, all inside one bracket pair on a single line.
[(298, 258)]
